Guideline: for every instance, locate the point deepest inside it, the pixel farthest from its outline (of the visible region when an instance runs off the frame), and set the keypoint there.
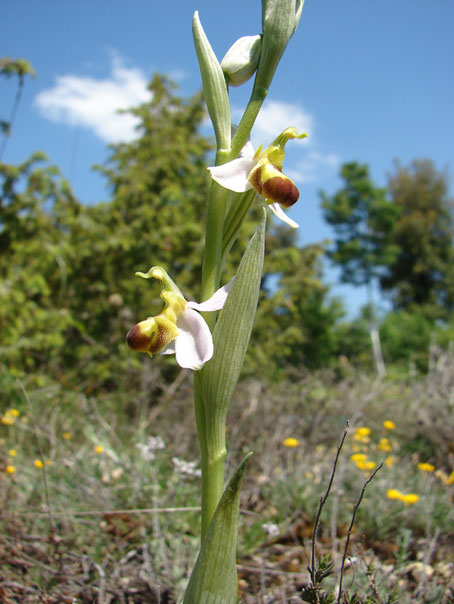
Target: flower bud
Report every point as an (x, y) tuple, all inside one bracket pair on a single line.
[(280, 19), (241, 60)]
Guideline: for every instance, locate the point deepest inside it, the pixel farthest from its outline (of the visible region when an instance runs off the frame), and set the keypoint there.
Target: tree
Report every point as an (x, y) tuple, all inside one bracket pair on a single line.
[(69, 294), (296, 319), (421, 275), (363, 219), (8, 68)]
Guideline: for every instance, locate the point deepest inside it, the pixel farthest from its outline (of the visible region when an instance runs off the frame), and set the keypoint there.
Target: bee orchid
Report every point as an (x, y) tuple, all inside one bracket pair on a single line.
[(179, 328), (262, 171)]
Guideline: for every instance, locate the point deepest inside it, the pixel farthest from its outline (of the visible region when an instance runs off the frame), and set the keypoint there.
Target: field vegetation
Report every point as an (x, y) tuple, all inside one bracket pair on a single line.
[(99, 467)]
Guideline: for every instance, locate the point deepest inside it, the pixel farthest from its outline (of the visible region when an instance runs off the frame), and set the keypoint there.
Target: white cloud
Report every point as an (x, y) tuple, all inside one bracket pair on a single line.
[(314, 166), (276, 116), (94, 104)]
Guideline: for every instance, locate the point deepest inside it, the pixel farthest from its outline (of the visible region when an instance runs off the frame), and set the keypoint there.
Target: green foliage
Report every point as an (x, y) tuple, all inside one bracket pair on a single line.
[(362, 218), (33, 315), (422, 273), (19, 67), (67, 271), (295, 323), (69, 294), (406, 337)]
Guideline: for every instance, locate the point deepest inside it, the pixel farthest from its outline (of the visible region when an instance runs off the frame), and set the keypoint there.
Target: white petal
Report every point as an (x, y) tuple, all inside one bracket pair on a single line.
[(279, 212), (194, 343), (247, 150), (170, 348), (216, 302), (234, 174)]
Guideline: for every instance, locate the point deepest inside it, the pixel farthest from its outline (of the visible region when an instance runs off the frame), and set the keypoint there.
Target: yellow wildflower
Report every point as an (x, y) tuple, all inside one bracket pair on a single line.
[(12, 452), (426, 467), (10, 469), (99, 449), (394, 494), (364, 464), (291, 442), (389, 461), (38, 463), (450, 479), (410, 498), (358, 457), (389, 425), (384, 445), (9, 417), (67, 435), (362, 434)]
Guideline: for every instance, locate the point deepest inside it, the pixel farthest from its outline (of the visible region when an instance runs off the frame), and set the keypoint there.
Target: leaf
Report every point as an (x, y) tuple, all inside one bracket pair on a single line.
[(214, 579), (231, 335)]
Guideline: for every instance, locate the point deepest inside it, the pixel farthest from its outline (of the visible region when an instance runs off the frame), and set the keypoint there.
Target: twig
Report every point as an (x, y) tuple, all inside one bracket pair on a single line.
[(108, 512), (102, 582), (321, 505), (350, 528)]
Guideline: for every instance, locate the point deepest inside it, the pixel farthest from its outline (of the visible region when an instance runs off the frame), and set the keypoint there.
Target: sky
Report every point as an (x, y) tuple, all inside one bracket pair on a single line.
[(369, 80)]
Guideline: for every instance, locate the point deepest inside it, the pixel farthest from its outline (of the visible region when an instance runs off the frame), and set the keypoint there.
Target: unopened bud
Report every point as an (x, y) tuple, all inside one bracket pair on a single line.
[(241, 60)]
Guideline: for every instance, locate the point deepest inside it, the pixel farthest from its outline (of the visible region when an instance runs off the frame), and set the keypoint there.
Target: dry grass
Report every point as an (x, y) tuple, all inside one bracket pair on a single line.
[(108, 526)]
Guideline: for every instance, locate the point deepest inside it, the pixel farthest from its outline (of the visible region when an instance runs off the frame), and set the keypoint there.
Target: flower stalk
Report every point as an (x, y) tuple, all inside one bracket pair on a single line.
[(214, 344)]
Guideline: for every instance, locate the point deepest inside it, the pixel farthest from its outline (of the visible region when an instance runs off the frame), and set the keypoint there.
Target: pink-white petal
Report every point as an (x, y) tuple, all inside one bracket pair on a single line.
[(170, 348), (279, 212), (234, 174), (247, 150), (194, 343), (216, 302)]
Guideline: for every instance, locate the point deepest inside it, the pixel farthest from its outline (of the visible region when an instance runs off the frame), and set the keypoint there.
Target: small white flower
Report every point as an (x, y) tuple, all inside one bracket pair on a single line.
[(271, 529), (154, 443), (178, 329), (186, 467)]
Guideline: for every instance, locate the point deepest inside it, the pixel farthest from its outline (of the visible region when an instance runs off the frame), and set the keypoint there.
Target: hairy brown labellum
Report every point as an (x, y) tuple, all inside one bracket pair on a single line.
[(141, 341), (137, 340), (280, 189)]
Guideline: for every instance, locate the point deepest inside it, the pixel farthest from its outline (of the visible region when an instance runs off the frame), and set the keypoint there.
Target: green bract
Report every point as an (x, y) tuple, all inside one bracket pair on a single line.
[(214, 86), (214, 578)]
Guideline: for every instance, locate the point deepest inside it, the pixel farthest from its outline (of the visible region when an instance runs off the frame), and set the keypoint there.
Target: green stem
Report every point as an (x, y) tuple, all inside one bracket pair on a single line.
[(213, 471), (212, 462), (234, 219), (212, 260), (212, 445), (247, 121)]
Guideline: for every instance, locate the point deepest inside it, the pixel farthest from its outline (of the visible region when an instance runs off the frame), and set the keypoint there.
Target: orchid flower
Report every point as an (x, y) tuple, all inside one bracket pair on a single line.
[(178, 329), (262, 171)]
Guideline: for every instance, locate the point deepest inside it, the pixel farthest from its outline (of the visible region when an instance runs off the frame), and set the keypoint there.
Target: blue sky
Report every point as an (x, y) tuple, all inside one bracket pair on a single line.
[(370, 80)]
